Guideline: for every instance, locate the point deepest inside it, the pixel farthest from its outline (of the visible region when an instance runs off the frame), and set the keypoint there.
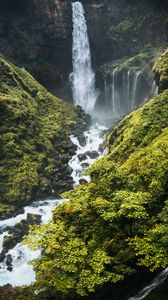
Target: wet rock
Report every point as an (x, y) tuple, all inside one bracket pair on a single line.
[(82, 140), (18, 231), (6, 286), (92, 154), (10, 268), (9, 260), (65, 158), (82, 157), (82, 181), (84, 165), (102, 147), (2, 257)]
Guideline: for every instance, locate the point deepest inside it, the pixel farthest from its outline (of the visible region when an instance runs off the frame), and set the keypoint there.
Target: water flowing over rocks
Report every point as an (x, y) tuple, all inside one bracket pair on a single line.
[(14, 257)]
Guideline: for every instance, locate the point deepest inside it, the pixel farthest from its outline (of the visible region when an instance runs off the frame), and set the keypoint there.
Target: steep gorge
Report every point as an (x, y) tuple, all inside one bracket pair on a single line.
[(114, 227)]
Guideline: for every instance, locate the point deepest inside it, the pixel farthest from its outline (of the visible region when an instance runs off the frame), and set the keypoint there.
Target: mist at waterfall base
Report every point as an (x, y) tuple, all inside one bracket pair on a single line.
[(121, 91)]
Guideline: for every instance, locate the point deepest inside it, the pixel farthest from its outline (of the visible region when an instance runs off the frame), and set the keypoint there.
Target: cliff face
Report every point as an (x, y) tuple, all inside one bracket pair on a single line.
[(37, 34)]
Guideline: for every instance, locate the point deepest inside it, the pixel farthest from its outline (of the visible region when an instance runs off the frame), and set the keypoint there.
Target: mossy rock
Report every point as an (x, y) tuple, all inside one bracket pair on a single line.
[(34, 131), (160, 70)]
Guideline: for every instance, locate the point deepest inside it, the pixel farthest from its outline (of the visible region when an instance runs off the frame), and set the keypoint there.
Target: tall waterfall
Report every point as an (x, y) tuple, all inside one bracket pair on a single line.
[(83, 77)]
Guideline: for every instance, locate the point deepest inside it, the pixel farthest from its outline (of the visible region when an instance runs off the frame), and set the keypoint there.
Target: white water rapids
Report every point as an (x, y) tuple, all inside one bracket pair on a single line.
[(22, 272)]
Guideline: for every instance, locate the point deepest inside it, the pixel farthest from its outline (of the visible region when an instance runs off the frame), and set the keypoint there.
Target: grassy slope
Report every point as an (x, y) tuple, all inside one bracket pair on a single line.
[(34, 129)]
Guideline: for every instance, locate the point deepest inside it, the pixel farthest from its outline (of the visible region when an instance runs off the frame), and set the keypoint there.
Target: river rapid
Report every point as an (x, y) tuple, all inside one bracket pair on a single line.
[(19, 271)]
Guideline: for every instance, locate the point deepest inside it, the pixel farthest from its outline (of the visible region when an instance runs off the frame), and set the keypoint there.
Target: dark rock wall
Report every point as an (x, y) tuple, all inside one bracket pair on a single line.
[(37, 34)]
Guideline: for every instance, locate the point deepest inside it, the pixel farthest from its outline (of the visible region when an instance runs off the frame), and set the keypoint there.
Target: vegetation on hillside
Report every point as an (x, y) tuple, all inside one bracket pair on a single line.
[(118, 222), (161, 71), (34, 133)]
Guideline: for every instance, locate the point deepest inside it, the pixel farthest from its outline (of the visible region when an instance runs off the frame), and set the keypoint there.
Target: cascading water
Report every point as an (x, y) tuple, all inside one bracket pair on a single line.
[(83, 77), (21, 272), (124, 90), (149, 288), (128, 87), (135, 85), (114, 104), (154, 89)]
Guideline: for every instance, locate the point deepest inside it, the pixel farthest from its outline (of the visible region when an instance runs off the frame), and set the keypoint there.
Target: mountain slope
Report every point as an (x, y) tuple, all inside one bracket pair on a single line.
[(35, 147), (117, 222)]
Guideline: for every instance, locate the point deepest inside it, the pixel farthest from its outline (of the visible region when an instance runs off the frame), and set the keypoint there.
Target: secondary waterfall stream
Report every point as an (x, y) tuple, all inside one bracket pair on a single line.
[(82, 77)]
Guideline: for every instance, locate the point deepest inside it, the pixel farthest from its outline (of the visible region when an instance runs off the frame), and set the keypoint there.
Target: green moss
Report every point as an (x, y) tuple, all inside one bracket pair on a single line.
[(115, 214), (143, 61), (117, 222), (34, 129), (160, 70)]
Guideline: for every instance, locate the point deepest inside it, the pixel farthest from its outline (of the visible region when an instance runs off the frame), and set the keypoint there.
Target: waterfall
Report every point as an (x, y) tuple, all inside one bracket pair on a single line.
[(82, 77), (105, 92), (155, 283), (135, 85), (154, 89), (128, 84), (128, 88), (114, 104)]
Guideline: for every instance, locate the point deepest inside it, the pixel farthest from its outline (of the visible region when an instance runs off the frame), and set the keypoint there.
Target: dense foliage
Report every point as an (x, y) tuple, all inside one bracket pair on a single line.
[(34, 130), (118, 221)]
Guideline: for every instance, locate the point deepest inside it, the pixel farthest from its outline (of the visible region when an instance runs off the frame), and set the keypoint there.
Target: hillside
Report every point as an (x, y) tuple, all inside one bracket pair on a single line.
[(116, 224), (35, 146)]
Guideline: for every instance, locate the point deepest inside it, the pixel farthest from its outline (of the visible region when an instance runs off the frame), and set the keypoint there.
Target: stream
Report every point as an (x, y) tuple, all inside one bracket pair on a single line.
[(21, 272)]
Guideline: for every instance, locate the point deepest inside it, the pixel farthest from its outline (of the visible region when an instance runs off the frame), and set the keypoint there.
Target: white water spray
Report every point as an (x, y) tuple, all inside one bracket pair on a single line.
[(154, 89), (128, 86), (83, 77), (22, 272), (114, 108), (135, 85)]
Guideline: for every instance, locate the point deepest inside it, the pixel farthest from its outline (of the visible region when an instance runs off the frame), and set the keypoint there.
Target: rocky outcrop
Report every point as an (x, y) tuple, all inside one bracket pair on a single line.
[(160, 70), (38, 37)]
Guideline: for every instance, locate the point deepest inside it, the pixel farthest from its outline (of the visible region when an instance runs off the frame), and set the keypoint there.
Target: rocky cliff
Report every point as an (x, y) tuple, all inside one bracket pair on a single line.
[(38, 34)]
